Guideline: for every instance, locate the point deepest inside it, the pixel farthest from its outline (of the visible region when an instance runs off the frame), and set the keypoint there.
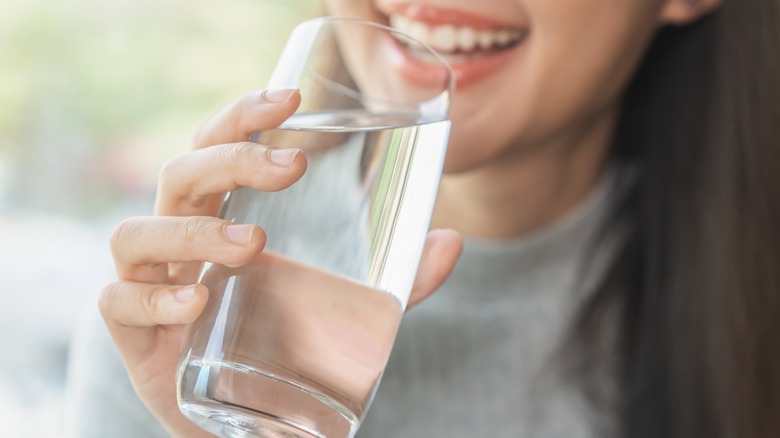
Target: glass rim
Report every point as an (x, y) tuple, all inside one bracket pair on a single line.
[(449, 88)]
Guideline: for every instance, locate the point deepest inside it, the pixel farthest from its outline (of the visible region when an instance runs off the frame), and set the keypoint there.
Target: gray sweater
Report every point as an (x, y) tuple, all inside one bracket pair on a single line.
[(476, 359)]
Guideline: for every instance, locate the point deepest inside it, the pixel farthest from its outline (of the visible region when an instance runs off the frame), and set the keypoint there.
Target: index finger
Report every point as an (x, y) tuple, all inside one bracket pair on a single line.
[(252, 112)]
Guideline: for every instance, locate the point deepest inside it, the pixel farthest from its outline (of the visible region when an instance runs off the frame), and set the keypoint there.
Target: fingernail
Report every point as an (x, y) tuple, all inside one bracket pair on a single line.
[(281, 95), (282, 157), (240, 233), (185, 294)]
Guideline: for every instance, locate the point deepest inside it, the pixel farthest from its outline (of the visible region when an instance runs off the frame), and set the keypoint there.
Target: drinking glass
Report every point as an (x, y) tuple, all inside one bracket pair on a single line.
[(294, 343)]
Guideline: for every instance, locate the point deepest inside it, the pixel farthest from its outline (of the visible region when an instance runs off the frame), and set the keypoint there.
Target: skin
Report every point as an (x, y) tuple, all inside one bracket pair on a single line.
[(534, 150), (541, 146)]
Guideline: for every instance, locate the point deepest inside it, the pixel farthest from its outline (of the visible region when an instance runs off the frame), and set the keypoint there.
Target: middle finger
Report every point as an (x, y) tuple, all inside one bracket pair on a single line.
[(194, 183)]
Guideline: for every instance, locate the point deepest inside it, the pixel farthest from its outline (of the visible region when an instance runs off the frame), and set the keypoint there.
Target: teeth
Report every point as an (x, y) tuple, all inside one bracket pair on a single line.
[(503, 38), (448, 38), (443, 38), (467, 39), (418, 31), (486, 39)]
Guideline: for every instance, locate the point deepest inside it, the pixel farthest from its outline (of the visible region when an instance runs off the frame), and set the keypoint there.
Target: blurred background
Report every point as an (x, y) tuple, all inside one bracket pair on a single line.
[(94, 97)]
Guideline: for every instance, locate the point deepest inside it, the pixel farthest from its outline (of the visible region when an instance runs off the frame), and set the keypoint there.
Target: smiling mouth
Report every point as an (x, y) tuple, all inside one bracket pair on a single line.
[(458, 43), (475, 46)]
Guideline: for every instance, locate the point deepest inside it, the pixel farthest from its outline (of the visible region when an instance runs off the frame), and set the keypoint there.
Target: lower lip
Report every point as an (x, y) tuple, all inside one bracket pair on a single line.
[(466, 73)]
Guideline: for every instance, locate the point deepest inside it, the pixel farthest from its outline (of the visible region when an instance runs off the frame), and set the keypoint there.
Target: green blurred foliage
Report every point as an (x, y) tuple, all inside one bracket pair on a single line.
[(95, 95)]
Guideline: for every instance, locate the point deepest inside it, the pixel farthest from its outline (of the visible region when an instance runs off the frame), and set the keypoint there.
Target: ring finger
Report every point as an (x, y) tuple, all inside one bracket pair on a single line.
[(143, 246)]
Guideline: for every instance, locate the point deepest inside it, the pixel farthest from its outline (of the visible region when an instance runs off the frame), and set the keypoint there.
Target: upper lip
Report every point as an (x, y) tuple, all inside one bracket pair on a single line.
[(452, 31), (434, 15)]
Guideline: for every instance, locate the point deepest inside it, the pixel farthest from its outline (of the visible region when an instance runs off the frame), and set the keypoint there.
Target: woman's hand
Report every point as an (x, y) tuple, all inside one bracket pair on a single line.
[(158, 258)]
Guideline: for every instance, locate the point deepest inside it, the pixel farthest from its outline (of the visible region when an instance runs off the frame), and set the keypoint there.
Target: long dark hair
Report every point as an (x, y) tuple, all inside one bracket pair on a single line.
[(697, 284)]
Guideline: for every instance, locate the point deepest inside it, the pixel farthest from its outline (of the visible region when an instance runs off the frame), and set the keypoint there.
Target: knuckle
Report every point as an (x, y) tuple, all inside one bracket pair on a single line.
[(150, 302), (248, 100), (125, 231), (107, 298), (193, 228), (170, 170), (204, 135), (241, 152), (235, 112)]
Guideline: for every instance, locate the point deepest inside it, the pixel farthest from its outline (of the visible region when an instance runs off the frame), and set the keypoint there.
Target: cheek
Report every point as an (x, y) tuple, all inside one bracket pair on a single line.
[(578, 60), (585, 58), (594, 57)]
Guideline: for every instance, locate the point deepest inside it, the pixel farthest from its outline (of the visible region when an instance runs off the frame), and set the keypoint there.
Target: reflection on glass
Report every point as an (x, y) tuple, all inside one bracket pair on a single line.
[(295, 343)]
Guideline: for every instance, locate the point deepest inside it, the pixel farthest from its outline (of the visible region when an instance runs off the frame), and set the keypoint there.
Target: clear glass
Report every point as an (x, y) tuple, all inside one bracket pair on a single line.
[(294, 344)]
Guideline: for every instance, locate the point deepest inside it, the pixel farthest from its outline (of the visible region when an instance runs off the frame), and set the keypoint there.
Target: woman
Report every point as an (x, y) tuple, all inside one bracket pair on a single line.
[(612, 175)]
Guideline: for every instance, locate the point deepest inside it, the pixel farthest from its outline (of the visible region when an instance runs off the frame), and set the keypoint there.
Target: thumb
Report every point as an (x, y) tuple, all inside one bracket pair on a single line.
[(442, 249)]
